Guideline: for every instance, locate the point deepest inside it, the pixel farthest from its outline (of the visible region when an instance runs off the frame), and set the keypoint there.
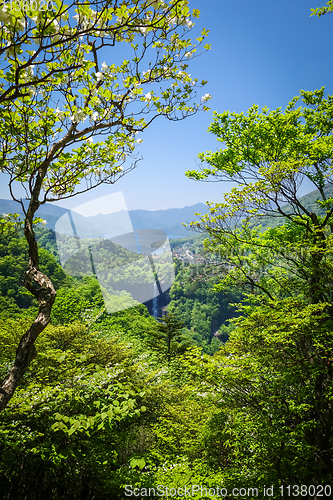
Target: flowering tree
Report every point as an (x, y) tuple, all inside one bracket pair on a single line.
[(58, 91)]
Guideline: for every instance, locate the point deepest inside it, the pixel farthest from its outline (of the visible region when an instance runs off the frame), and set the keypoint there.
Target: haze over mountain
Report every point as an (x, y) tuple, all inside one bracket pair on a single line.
[(170, 220)]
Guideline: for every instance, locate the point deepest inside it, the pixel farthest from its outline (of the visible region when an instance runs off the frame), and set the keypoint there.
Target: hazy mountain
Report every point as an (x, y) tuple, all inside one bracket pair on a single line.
[(169, 221), (50, 213)]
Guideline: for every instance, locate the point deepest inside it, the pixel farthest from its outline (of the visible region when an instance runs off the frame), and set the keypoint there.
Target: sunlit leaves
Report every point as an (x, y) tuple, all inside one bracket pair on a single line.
[(269, 155), (63, 94), (320, 11)]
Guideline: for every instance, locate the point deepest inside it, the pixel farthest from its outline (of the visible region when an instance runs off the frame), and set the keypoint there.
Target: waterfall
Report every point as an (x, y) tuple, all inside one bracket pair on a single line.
[(155, 301)]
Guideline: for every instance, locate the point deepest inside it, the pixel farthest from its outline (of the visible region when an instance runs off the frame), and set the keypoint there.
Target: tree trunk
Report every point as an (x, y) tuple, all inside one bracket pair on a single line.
[(42, 288)]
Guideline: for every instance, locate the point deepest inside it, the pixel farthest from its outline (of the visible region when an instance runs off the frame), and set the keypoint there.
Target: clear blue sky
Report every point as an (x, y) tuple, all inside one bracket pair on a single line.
[(262, 52)]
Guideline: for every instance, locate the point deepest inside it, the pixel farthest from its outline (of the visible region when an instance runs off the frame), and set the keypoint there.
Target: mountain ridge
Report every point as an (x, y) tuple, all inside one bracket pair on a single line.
[(169, 220)]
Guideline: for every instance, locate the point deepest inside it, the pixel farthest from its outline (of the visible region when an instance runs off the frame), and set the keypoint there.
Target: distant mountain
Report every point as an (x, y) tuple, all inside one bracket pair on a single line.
[(170, 220), (50, 213), (308, 201)]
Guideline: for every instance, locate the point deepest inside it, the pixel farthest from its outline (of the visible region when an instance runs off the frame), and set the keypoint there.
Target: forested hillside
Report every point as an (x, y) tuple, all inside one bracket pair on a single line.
[(106, 391), (125, 399)]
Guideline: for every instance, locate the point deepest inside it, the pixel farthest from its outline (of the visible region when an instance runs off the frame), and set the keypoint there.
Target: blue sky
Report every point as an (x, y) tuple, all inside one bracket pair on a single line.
[(262, 52)]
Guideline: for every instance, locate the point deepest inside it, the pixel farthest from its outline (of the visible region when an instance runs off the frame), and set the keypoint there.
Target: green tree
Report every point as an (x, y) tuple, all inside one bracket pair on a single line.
[(269, 155), (82, 412), (272, 386), (168, 337), (45, 144), (274, 376)]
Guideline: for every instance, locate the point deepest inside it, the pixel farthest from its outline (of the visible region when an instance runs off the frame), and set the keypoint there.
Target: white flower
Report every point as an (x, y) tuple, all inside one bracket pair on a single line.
[(43, 222), (80, 115), (104, 66), (90, 140), (148, 96), (172, 20), (188, 54), (95, 116), (21, 25), (32, 91), (143, 31), (206, 97), (138, 141), (4, 16), (189, 23), (59, 114), (99, 76)]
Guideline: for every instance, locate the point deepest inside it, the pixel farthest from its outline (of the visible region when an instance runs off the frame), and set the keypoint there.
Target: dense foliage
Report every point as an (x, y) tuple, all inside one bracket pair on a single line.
[(205, 312), (116, 405), (276, 372)]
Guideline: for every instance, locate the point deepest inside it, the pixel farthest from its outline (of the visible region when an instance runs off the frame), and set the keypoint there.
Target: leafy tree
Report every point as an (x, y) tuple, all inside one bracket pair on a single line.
[(273, 394), (90, 408), (273, 378), (62, 40), (45, 145), (168, 337), (269, 155)]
